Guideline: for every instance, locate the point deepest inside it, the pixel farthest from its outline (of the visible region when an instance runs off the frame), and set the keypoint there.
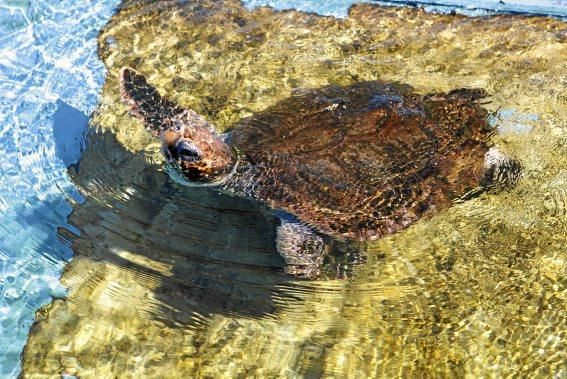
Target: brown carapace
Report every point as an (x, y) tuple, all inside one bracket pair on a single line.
[(367, 160), (353, 163)]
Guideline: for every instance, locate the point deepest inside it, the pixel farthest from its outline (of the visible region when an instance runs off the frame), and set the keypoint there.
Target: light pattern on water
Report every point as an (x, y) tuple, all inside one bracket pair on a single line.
[(50, 77)]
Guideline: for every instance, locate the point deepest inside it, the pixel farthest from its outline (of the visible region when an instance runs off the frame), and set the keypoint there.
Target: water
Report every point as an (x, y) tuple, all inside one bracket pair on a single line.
[(222, 298), (339, 8), (50, 78)]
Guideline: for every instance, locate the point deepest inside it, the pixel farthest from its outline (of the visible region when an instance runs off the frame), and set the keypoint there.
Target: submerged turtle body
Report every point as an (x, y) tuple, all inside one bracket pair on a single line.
[(350, 163), (366, 160)]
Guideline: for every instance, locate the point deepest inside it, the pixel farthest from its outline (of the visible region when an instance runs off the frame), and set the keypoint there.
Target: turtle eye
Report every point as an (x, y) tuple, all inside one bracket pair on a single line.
[(178, 128), (185, 151)]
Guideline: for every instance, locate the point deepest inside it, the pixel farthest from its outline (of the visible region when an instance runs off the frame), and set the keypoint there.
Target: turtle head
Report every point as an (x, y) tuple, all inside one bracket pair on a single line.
[(201, 155), (189, 141)]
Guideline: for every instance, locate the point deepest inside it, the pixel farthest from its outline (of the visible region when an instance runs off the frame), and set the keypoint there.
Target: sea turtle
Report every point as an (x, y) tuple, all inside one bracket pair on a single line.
[(352, 163)]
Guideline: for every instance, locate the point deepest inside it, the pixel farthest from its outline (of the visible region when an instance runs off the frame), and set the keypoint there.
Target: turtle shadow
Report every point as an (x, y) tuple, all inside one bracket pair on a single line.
[(208, 252)]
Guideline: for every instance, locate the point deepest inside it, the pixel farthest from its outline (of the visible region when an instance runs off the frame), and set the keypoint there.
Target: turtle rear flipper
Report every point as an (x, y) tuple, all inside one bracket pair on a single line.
[(145, 102), (471, 94), (501, 171)]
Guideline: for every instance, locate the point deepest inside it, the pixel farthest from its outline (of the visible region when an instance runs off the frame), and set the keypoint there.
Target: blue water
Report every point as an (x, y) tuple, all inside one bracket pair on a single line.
[(50, 78), (339, 8)]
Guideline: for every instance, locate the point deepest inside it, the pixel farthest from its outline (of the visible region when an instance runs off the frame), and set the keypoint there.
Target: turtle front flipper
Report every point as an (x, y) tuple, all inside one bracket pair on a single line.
[(145, 102), (309, 255), (302, 249)]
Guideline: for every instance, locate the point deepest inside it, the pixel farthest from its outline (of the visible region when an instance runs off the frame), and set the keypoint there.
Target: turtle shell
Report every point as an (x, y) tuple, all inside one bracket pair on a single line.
[(364, 161)]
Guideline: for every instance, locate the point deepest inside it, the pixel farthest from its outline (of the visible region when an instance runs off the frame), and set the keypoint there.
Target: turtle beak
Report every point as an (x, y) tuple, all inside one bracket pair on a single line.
[(185, 151), (169, 137)]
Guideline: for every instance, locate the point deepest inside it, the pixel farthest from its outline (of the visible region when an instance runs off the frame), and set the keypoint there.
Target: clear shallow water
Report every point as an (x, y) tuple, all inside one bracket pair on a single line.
[(52, 78)]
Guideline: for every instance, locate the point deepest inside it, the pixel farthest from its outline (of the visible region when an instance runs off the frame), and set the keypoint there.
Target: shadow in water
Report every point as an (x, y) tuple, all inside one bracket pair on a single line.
[(199, 251), (69, 127)]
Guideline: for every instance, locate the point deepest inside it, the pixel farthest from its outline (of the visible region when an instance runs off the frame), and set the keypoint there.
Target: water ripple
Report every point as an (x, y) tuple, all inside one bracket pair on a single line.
[(48, 64)]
